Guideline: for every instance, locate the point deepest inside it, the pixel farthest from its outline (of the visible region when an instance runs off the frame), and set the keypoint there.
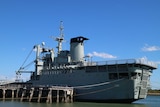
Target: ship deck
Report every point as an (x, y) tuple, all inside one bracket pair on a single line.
[(141, 61)]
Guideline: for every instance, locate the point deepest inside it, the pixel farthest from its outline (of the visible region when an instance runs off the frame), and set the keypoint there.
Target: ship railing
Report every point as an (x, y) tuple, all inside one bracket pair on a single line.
[(4, 82), (146, 62), (125, 61), (11, 86)]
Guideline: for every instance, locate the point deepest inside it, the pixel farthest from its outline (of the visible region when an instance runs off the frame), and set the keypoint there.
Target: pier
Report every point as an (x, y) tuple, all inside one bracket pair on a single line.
[(27, 92)]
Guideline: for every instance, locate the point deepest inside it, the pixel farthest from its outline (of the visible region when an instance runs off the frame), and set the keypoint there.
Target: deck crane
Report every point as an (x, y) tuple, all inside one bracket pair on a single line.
[(38, 62), (22, 69)]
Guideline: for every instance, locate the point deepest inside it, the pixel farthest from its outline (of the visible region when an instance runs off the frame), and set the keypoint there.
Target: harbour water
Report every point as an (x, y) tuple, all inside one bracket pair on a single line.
[(150, 101)]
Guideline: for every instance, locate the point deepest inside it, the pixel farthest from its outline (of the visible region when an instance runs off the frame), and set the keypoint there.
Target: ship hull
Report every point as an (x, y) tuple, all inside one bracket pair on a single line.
[(115, 91), (92, 86)]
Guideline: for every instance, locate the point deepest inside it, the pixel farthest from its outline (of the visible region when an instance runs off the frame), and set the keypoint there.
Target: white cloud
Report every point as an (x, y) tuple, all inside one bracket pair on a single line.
[(2, 77), (150, 48), (158, 62), (101, 55), (146, 59)]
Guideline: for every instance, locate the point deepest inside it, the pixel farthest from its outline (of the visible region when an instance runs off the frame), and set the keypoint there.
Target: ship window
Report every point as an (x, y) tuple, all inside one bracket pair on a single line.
[(150, 71), (80, 68), (133, 75), (136, 65), (102, 68), (123, 75), (122, 68), (113, 76), (112, 68), (91, 69)]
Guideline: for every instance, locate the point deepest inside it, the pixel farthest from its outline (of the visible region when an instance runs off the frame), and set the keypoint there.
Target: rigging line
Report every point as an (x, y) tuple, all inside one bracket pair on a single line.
[(94, 85), (26, 59), (97, 91), (29, 64)]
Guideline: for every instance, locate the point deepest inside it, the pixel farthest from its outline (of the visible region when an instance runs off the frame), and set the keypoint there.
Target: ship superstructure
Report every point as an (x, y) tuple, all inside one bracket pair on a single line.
[(117, 80)]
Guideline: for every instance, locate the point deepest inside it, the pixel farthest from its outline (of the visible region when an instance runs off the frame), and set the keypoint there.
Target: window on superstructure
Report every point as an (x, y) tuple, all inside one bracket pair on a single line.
[(102, 68), (113, 76), (80, 68), (123, 75), (91, 69), (133, 75), (112, 68), (122, 68), (150, 71), (136, 65)]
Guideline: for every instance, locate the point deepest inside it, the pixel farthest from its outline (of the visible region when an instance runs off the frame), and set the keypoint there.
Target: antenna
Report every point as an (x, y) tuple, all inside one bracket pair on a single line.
[(60, 38), (61, 29)]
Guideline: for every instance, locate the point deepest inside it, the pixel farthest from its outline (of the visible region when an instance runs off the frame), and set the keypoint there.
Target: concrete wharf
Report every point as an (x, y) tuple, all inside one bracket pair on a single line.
[(30, 93)]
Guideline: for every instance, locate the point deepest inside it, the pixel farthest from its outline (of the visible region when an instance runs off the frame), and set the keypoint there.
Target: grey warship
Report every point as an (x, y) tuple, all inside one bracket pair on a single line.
[(124, 81)]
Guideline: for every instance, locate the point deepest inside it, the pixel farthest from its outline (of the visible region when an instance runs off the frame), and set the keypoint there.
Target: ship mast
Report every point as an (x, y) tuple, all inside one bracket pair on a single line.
[(60, 38)]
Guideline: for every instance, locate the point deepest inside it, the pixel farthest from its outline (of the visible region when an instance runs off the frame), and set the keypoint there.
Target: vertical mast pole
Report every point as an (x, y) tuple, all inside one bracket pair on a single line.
[(60, 38)]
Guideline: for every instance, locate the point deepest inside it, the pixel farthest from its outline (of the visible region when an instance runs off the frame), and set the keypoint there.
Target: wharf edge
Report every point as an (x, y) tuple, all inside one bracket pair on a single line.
[(27, 92)]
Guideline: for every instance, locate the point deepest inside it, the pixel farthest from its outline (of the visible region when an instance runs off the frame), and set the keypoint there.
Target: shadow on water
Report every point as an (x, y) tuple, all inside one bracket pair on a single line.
[(75, 104), (150, 101)]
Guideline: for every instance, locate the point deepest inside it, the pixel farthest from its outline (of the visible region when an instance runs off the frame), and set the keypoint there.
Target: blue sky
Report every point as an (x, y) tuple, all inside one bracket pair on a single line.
[(117, 29)]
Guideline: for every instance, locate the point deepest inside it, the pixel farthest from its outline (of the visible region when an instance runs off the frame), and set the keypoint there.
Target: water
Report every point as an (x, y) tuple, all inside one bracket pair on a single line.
[(150, 101)]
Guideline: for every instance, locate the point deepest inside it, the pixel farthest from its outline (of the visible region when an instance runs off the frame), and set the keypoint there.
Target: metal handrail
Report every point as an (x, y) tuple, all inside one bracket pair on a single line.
[(125, 61)]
